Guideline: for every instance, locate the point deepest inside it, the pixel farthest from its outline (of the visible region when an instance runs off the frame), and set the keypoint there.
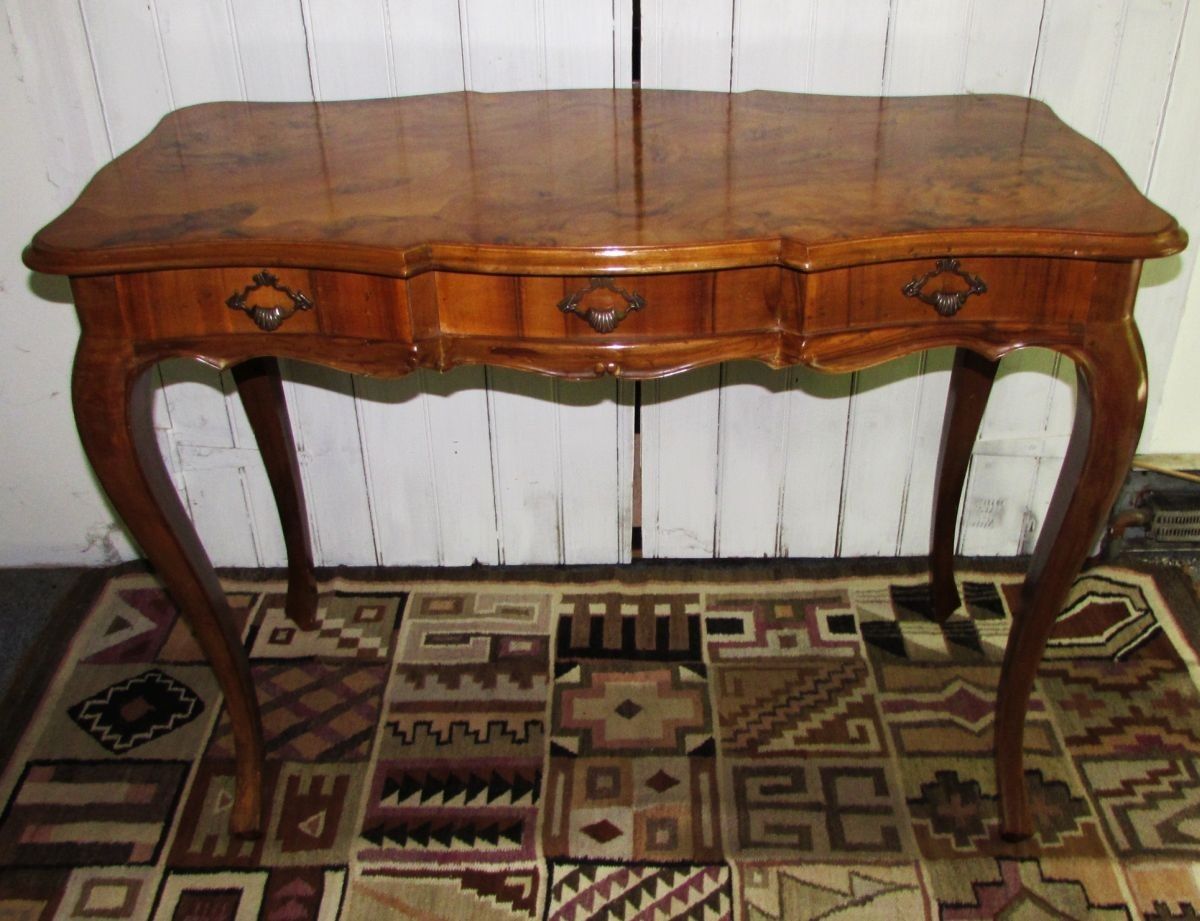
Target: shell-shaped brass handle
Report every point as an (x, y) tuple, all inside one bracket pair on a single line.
[(603, 318), (945, 302), (270, 318)]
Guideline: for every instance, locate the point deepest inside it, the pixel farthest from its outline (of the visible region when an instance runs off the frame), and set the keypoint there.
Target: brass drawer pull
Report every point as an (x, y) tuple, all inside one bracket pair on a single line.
[(946, 303), (271, 318), (603, 319)]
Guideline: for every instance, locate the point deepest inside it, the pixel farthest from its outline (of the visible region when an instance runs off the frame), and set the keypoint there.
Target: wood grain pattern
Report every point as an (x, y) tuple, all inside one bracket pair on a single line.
[(623, 181), (1057, 278)]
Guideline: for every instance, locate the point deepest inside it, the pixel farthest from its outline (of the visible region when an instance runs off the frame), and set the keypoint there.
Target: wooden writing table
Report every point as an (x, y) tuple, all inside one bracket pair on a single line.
[(581, 233)]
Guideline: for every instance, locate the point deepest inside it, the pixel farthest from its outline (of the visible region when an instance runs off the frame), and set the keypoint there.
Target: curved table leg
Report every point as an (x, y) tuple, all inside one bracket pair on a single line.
[(261, 388), (970, 384), (111, 392), (1111, 369)]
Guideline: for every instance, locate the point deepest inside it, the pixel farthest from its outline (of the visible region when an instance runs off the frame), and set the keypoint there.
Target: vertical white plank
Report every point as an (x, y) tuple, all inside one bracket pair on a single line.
[(504, 47), (503, 44), (580, 43), (771, 502), (215, 494), (816, 454), (755, 417), (1002, 45), (54, 138), (882, 418), (1142, 74), (927, 50), (687, 45), (426, 45), (849, 47), (893, 404), (1076, 49), (540, 444), (272, 52), (199, 50), (1177, 430), (595, 455), (1175, 182), (683, 47), (130, 50), (1141, 84), (348, 58), (348, 48), (523, 418), (271, 58), (394, 415), (457, 418), (626, 459), (999, 488), (773, 45), (407, 458), (917, 515), (680, 427), (325, 428), (996, 517), (1076, 56), (983, 46), (588, 44), (1135, 51), (128, 60), (622, 44)]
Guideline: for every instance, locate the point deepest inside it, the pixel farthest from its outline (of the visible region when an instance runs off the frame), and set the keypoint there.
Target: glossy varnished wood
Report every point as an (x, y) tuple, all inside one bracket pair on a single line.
[(971, 381), (111, 391), (260, 387), (592, 233), (603, 181), (1111, 403)]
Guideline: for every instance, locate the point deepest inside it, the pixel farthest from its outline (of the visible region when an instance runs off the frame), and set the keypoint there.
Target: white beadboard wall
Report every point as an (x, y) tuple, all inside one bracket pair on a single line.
[(503, 467)]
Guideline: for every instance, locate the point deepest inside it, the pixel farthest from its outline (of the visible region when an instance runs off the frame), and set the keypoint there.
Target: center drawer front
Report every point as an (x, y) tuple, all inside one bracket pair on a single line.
[(620, 307), (1018, 289)]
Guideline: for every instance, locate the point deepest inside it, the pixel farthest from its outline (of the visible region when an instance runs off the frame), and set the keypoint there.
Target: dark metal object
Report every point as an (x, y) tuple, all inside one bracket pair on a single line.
[(602, 319), (269, 319), (1156, 519), (946, 303)]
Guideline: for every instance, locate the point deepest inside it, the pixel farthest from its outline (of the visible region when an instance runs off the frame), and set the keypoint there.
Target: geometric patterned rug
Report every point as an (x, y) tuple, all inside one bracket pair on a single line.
[(705, 748)]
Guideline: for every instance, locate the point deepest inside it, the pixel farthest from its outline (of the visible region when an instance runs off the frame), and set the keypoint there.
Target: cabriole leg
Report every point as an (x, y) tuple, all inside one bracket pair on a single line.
[(261, 388), (1111, 369), (112, 400), (970, 384)]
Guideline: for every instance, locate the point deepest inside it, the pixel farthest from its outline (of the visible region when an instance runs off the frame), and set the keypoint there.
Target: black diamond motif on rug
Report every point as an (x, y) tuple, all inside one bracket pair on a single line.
[(137, 710)]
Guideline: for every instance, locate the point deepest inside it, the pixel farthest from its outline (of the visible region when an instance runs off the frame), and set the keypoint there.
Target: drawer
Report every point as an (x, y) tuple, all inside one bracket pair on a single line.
[(278, 301), (285, 301), (627, 307), (947, 290)]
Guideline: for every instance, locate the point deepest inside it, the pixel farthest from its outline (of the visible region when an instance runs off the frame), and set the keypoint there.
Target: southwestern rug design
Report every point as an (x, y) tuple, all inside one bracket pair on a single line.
[(707, 749)]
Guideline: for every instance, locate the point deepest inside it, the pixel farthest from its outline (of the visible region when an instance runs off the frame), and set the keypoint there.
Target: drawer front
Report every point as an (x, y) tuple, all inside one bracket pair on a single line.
[(276, 301), (948, 290), (627, 307)]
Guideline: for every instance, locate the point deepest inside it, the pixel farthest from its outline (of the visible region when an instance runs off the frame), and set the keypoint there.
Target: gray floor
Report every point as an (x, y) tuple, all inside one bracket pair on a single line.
[(27, 599)]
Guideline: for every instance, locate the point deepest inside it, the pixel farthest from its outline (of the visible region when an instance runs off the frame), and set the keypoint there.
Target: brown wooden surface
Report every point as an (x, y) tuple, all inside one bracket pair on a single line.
[(603, 181), (438, 231), (260, 386), (970, 384)]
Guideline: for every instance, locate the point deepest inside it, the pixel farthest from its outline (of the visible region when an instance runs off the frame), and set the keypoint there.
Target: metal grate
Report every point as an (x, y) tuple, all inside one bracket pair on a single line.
[(1174, 517), (1176, 527)]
